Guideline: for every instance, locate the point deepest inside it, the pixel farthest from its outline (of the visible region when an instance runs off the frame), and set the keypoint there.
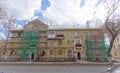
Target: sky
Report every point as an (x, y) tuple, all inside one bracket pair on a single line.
[(60, 12)]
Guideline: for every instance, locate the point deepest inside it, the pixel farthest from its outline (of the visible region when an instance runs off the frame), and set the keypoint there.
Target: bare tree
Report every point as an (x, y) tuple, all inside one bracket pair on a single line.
[(112, 22), (7, 23)]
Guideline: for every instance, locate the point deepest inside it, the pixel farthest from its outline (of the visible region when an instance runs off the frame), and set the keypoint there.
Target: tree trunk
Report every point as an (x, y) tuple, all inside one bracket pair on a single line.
[(110, 48)]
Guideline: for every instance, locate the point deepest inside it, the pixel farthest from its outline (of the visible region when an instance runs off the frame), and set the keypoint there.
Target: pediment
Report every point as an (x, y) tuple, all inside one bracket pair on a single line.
[(35, 25)]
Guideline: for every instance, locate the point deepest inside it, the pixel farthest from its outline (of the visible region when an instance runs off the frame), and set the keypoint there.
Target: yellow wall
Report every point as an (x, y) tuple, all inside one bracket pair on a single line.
[(115, 52), (64, 47), (2, 45), (16, 41)]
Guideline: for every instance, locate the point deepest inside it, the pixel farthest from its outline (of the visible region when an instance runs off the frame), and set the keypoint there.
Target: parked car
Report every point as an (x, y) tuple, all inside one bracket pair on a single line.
[(115, 69)]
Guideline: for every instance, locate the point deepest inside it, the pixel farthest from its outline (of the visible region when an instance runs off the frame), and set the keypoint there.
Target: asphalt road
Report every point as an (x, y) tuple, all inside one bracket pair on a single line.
[(53, 69)]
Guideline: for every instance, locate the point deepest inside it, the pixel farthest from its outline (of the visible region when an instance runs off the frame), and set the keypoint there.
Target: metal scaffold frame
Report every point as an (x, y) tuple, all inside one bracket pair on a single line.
[(29, 44), (96, 47)]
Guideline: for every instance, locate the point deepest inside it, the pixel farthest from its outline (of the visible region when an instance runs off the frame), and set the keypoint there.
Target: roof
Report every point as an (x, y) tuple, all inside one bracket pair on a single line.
[(55, 27), (16, 29), (66, 27)]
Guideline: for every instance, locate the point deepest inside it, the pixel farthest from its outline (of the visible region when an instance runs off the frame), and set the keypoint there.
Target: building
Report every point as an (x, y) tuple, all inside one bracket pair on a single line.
[(40, 42), (115, 52), (96, 47), (2, 46)]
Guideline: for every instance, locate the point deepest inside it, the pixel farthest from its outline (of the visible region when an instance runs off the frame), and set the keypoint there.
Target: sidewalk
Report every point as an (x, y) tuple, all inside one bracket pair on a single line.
[(54, 63)]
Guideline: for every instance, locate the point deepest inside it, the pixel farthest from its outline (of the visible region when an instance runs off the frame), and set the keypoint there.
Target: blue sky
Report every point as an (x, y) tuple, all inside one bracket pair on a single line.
[(60, 12), (44, 5), (82, 3), (57, 11)]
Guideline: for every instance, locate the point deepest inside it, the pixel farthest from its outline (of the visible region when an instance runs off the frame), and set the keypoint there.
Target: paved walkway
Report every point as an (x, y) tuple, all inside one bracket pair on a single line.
[(55, 63)]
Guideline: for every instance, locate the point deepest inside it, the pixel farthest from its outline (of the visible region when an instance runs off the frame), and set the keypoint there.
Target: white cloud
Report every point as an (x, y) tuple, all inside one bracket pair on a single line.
[(69, 11), (21, 8), (59, 12)]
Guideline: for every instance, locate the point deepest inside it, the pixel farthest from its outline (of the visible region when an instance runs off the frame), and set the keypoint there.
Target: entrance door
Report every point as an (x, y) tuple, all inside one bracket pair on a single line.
[(78, 55), (32, 56)]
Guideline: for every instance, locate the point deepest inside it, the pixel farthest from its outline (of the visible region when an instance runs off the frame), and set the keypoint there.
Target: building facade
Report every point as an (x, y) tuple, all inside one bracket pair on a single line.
[(115, 52), (96, 47), (2, 46), (38, 42)]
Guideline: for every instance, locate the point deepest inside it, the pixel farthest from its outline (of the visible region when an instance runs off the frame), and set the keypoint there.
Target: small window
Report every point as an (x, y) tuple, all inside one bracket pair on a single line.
[(59, 32), (51, 32), (51, 42), (19, 34), (51, 52), (42, 33), (69, 52), (85, 33), (59, 42), (77, 34), (77, 41), (68, 41), (59, 52), (68, 33), (95, 33), (33, 45)]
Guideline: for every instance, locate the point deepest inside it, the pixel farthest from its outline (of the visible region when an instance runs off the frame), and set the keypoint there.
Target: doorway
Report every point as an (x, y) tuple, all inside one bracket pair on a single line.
[(32, 56), (78, 55)]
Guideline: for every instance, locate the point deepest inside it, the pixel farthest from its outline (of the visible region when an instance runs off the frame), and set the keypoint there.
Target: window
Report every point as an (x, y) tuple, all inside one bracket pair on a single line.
[(33, 45), (77, 41), (85, 33), (77, 34), (68, 41), (51, 52), (51, 32), (95, 33), (51, 42), (19, 34), (59, 32), (59, 42), (42, 33), (69, 52), (68, 33), (59, 52)]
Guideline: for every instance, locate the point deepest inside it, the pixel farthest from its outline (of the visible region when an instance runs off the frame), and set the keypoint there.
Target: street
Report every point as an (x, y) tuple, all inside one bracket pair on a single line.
[(53, 69)]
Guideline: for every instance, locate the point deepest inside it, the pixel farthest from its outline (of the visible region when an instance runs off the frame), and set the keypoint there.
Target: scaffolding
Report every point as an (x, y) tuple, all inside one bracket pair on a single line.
[(28, 44), (96, 50)]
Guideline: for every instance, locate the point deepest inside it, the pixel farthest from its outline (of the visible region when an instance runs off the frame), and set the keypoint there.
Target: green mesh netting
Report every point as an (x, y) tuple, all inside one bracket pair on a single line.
[(96, 49), (29, 44)]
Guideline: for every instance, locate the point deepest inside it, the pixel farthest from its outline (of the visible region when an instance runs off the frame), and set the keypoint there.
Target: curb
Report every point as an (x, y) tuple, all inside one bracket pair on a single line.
[(49, 64)]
